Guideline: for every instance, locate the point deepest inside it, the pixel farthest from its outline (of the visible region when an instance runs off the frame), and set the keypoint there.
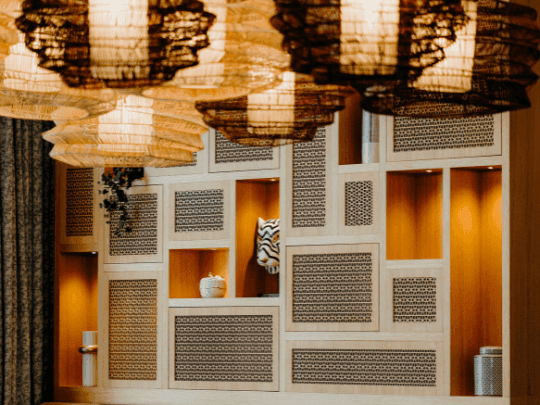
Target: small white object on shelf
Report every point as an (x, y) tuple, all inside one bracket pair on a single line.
[(212, 286), (488, 371), (89, 359)]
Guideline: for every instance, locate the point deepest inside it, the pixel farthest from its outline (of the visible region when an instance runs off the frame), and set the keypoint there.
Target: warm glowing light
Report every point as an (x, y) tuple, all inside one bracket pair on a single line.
[(429, 171), (490, 167)]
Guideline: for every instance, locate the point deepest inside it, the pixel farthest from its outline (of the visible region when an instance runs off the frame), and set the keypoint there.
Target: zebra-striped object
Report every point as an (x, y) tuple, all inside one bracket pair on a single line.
[(268, 244)]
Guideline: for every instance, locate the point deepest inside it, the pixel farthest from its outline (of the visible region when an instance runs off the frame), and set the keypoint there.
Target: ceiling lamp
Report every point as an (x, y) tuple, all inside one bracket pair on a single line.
[(487, 70), (115, 43), (9, 35), (288, 113), (244, 55), (30, 92), (135, 134)]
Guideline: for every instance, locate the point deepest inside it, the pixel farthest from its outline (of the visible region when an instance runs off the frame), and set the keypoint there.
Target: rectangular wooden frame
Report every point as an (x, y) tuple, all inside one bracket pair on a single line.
[(157, 258), (235, 386), (104, 351), (364, 389), (373, 229), (333, 326), (223, 234), (239, 166)]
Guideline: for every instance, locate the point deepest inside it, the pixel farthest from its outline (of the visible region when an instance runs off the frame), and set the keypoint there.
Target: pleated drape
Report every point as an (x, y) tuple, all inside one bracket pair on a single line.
[(27, 263)]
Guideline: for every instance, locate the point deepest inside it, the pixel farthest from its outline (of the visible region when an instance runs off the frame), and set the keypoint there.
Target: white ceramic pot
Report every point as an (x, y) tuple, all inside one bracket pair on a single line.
[(212, 287)]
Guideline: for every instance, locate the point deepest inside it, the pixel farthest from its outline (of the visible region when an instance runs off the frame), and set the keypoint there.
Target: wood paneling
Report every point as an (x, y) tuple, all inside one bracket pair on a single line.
[(476, 271), (414, 215), (350, 131), (254, 199)]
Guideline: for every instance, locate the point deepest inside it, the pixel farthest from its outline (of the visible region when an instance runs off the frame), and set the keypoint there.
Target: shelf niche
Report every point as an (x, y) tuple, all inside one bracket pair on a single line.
[(414, 215), (476, 270), (188, 266), (254, 199), (77, 312)]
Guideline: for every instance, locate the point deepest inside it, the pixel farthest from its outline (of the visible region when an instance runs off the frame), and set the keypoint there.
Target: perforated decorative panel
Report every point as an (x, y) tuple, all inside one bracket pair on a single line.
[(199, 210), (359, 203), (224, 348), (231, 156), (79, 202), (415, 299), (133, 342), (334, 287), (410, 368), (144, 242), (427, 138)]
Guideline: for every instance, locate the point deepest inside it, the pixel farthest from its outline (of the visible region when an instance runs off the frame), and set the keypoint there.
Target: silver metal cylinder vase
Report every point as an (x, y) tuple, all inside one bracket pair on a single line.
[(488, 371)]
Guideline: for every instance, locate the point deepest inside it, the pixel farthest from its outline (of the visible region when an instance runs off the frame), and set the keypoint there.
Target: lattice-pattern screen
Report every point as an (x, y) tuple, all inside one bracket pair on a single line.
[(372, 367), (309, 182), (143, 238), (133, 315), (224, 348), (199, 211), (425, 134), (415, 299), (231, 152), (336, 287), (79, 202), (358, 203)]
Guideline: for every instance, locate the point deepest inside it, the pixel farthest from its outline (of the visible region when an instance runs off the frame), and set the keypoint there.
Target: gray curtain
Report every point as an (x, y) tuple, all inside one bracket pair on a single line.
[(27, 263)]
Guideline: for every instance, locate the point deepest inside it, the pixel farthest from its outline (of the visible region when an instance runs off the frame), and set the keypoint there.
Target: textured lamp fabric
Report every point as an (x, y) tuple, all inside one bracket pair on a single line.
[(27, 262)]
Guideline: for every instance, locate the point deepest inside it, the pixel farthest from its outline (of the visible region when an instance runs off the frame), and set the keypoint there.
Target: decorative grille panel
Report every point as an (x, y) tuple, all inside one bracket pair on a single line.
[(309, 182), (359, 203), (132, 320), (415, 299), (143, 239), (79, 202), (200, 211), (231, 152)]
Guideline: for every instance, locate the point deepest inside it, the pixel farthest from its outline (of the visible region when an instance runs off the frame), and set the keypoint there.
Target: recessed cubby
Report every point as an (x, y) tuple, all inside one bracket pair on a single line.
[(188, 266), (414, 215), (77, 311), (476, 269), (254, 199)]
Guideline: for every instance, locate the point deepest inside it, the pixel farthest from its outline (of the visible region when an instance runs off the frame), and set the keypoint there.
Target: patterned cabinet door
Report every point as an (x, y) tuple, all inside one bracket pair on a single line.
[(308, 186), (233, 348), (144, 244), (333, 288), (199, 211), (359, 203), (132, 330), (426, 138), (365, 367), (414, 301), (78, 202), (227, 156)]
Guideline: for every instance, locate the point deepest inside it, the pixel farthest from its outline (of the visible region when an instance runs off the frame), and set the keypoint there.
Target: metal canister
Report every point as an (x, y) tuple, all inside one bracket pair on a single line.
[(488, 371)]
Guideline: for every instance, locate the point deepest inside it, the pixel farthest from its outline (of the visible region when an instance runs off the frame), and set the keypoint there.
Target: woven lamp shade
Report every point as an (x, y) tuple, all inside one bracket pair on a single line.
[(119, 44), (135, 134), (9, 35), (488, 70), (288, 113), (30, 92), (244, 55)]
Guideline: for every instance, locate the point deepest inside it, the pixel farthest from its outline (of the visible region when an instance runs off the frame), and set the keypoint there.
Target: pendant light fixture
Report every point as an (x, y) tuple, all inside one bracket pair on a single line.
[(118, 44), (135, 134), (288, 113)]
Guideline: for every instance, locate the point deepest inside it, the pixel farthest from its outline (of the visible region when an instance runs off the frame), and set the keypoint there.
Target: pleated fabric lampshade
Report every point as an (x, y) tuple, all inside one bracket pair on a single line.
[(118, 44), (487, 70), (135, 134), (244, 55), (30, 92), (288, 113)]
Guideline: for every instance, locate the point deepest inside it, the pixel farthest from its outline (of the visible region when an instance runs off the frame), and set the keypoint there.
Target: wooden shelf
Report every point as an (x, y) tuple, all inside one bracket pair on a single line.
[(77, 311), (350, 132), (476, 270), (223, 302), (414, 215), (188, 266), (254, 199)]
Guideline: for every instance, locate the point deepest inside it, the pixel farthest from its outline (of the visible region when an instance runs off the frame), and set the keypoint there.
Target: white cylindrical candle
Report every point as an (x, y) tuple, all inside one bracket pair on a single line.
[(89, 360), (370, 138)]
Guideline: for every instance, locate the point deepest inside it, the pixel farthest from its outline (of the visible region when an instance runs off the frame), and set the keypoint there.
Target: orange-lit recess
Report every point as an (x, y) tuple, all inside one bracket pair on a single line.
[(476, 270)]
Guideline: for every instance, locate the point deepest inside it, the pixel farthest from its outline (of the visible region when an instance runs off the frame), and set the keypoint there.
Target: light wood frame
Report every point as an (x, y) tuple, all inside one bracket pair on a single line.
[(333, 326), (365, 389), (240, 166), (157, 258), (224, 311), (222, 234)]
